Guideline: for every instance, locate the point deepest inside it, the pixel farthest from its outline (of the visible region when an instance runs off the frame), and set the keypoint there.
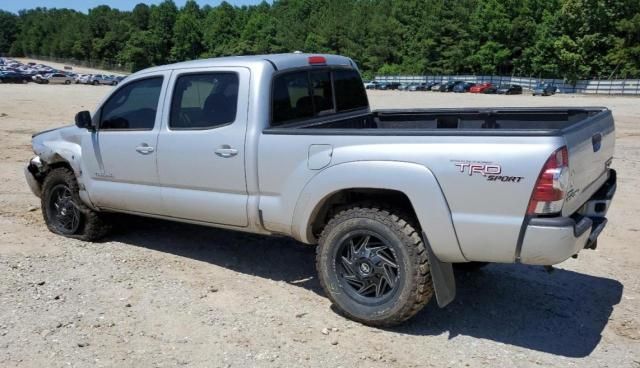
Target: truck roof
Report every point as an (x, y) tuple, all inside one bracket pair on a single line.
[(279, 61)]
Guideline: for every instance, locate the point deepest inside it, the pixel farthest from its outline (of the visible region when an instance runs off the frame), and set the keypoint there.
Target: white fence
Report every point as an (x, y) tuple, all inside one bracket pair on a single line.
[(596, 86)]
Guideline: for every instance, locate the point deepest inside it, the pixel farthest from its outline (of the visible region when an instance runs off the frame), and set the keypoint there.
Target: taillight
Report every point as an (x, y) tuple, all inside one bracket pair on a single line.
[(317, 60), (550, 189)]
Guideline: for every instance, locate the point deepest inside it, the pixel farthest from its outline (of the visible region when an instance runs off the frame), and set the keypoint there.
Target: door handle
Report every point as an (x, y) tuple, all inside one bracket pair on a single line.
[(226, 151), (144, 149)]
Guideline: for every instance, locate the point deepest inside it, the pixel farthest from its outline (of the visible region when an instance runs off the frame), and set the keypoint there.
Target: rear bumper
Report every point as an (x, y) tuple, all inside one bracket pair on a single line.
[(549, 241)]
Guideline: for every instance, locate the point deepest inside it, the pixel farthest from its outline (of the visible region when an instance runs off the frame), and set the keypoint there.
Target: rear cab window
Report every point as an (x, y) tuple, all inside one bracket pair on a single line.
[(204, 100), (311, 93)]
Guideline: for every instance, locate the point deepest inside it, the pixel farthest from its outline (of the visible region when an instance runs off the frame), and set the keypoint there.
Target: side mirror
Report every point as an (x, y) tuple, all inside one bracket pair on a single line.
[(83, 120)]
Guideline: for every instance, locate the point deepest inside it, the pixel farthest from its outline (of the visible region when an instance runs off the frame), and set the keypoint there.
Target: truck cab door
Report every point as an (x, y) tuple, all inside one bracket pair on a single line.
[(201, 164), (120, 156)]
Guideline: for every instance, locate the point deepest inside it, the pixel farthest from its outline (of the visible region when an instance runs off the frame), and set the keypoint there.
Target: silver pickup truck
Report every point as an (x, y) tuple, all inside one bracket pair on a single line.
[(287, 145)]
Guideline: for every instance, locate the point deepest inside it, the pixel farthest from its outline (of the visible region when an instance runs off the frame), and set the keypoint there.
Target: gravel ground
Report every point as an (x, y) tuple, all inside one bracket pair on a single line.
[(159, 294)]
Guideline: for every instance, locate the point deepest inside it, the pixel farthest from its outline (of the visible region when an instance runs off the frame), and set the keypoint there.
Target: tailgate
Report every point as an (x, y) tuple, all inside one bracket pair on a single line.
[(591, 144)]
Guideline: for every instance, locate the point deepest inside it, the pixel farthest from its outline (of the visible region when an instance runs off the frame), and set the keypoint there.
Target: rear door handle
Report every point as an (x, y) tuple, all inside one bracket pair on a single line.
[(226, 151), (144, 149)]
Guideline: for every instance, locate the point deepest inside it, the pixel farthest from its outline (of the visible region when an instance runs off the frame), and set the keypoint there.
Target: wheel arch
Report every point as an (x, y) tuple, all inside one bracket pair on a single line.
[(64, 154), (63, 158), (411, 185)]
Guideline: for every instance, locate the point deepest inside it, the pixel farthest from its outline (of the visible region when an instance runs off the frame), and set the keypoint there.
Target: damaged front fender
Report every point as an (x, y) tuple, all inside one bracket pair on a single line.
[(53, 147)]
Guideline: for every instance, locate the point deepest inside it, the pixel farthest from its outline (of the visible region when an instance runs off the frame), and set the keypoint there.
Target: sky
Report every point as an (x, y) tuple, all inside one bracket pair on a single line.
[(84, 5)]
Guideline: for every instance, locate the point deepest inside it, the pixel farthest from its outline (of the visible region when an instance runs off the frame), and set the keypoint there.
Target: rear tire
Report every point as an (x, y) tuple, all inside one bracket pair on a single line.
[(373, 266), (67, 82), (64, 212), (95, 83)]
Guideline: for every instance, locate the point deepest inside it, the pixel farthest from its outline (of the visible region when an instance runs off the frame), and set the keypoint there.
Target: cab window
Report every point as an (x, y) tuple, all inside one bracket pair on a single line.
[(350, 93), (132, 107), (291, 98), (204, 101), (311, 93)]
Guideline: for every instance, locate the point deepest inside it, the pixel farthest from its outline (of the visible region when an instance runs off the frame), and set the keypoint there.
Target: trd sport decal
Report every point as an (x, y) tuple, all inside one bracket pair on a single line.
[(488, 170)]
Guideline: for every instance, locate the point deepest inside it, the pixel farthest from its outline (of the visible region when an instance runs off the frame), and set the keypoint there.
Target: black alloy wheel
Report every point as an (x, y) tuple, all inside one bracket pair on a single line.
[(368, 267), (63, 211)]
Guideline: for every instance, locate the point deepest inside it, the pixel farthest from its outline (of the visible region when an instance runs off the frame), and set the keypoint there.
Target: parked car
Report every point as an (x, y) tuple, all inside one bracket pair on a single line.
[(404, 86), (371, 85), (545, 89), (98, 79), (448, 86), (59, 78), (388, 85), (39, 78), (13, 77), (82, 78), (419, 87), (509, 89), (480, 88), (393, 85), (29, 74), (463, 87), (388, 212), (52, 78), (436, 87), (430, 85)]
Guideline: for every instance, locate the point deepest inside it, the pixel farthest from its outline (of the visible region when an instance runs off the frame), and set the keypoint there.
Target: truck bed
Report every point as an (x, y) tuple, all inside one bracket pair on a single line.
[(467, 121), (588, 133)]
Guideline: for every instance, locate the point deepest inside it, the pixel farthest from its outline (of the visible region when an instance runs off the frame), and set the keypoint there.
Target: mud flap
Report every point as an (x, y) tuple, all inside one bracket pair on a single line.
[(444, 282)]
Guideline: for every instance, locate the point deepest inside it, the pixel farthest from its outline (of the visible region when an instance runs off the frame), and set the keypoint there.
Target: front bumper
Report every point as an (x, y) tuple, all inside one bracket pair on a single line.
[(549, 241), (30, 170)]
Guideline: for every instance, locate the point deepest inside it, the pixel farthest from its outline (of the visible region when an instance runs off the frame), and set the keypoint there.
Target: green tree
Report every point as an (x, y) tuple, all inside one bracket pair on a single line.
[(571, 39), (624, 56), (258, 34), (221, 31), (187, 36), (141, 50), (161, 22), (140, 16), (8, 30)]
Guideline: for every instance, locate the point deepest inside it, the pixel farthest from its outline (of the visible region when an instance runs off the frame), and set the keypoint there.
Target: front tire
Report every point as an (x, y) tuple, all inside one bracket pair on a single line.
[(373, 266), (63, 210)]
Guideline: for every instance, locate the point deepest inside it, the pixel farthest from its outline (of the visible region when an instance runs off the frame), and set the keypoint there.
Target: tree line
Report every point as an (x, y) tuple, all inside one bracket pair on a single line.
[(571, 39)]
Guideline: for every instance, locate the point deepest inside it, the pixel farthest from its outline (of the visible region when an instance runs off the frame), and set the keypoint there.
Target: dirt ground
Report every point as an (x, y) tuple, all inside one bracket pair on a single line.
[(158, 294)]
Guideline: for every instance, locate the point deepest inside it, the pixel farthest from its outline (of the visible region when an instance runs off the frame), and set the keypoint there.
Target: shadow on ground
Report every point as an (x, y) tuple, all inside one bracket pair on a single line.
[(561, 313)]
